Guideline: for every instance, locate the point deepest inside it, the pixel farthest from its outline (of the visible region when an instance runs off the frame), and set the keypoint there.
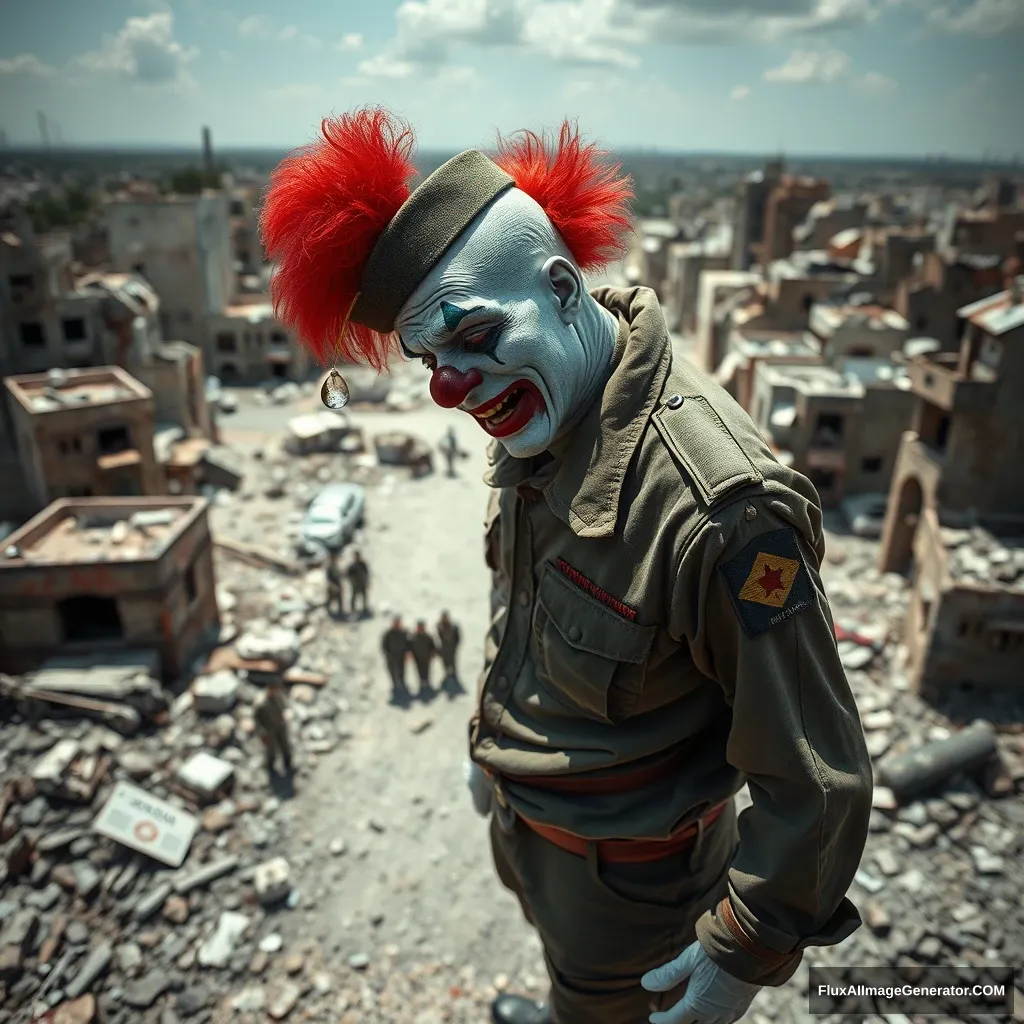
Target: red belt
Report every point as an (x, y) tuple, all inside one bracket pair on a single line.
[(625, 851)]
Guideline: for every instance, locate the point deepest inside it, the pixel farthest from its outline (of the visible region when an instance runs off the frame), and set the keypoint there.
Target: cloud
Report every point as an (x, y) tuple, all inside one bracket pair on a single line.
[(724, 21), (979, 17), (387, 65), (144, 51), (811, 66), (27, 64), (573, 32), (875, 81), (349, 41), (739, 92), (259, 26)]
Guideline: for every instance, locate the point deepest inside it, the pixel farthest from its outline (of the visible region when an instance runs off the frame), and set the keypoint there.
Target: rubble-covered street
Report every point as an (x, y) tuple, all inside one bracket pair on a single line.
[(366, 893)]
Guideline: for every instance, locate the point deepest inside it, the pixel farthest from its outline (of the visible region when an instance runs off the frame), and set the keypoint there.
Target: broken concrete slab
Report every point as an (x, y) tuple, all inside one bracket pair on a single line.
[(217, 693), (205, 775), (216, 950), (49, 771)]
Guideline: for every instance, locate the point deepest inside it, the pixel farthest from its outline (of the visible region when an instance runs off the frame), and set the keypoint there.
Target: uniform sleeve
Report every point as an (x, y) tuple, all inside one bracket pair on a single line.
[(752, 607)]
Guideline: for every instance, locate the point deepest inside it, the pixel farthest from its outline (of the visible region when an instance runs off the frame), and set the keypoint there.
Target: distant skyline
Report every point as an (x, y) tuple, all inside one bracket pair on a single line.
[(824, 77)]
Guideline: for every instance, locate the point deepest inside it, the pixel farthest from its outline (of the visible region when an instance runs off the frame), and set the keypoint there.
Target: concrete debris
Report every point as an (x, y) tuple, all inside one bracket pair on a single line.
[(94, 965), (272, 881), (216, 693), (220, 944), (275, 643), (205, 775)]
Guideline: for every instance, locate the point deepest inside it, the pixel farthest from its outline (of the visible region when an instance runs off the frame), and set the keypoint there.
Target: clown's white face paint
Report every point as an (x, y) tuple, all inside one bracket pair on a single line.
[(507, 327)]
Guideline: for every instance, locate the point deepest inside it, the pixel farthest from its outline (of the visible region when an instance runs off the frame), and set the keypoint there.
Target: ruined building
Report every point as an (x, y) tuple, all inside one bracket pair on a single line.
[(83, 432), (95, 575), (955, 518)]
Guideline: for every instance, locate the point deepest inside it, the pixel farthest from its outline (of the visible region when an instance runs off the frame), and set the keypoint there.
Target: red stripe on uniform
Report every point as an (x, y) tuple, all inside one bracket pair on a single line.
[(594, 590)]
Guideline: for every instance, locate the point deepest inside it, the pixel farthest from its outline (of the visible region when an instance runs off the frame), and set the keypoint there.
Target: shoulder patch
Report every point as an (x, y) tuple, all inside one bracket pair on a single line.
[(768, 581), (701, 442)]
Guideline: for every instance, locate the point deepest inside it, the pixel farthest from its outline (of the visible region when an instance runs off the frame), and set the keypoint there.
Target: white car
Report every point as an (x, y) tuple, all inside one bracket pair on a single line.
[(866, 514), (333, 516)]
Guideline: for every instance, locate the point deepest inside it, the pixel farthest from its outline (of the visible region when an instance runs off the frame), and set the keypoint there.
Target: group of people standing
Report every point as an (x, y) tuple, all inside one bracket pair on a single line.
[(357, 576), (398, 644)]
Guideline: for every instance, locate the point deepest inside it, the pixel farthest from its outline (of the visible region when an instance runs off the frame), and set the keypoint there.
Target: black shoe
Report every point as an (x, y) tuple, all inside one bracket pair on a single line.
[(508, 1009)]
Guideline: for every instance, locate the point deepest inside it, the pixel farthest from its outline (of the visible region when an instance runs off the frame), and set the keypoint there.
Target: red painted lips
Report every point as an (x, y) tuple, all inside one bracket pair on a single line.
[(509, 412)]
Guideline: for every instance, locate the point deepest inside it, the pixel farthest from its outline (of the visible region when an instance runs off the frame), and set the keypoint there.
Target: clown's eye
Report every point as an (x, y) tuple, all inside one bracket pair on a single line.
[(429, 360), (478, 335)]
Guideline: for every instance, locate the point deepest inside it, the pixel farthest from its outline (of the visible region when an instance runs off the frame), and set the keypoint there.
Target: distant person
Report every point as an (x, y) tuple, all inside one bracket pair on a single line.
[(272, 728), (448, 637), (451, 451), (358, 575), (395, 647), (424, 650)]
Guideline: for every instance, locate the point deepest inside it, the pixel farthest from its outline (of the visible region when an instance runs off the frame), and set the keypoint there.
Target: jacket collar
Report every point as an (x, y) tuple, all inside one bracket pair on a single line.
[(585, 490)]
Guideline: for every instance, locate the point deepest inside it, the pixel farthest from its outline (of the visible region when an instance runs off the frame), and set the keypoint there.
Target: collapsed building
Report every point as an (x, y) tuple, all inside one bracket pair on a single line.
[(955, 517), (94, 575)]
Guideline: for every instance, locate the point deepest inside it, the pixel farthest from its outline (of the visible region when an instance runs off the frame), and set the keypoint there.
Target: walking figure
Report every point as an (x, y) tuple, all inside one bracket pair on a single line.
[(273, 728), (358, 574), (451, 451)]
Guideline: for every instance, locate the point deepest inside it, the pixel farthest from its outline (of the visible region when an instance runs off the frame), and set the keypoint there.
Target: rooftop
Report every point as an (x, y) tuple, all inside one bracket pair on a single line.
[(873, 317), (90, 531), (58, 390), (997, 314), (812, 380), (778, 345)]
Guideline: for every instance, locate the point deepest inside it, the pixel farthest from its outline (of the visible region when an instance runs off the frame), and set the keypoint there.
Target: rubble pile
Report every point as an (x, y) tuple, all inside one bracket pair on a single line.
[(942, 874), (93, 929), (977, 556)]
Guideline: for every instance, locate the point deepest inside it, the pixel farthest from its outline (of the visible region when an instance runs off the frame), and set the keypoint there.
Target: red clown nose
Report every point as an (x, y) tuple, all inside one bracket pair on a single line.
[(449, 387)]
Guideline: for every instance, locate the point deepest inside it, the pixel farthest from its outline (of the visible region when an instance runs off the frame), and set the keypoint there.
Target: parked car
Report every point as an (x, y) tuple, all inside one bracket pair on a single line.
[(866, 514), (227, 402), (333, 516)]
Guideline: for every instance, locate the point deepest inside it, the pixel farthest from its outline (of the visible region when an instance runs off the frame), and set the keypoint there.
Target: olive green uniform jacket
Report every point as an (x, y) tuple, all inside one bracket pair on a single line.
[(659, 596)]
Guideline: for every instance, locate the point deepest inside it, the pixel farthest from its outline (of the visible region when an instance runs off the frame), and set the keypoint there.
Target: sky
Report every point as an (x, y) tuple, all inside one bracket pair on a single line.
[(825, 77)]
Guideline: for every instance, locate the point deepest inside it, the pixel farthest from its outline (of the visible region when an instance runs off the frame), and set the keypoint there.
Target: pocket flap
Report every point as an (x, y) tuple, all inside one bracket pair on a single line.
[(588, 625)]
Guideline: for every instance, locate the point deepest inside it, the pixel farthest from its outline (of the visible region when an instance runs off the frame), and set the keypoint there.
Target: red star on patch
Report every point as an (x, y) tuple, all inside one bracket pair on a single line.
[(771, 580)]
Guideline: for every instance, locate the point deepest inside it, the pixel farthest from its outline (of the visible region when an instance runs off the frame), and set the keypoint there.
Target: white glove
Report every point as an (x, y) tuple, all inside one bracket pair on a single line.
[(713, 996), (481, 789)]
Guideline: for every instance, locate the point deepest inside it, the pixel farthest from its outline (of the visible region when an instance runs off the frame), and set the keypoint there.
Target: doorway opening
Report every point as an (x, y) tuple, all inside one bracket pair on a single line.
[(90, 618)]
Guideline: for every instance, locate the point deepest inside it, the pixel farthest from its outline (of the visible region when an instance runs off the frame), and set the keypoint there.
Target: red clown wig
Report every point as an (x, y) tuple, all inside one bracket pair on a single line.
[(328, 203)]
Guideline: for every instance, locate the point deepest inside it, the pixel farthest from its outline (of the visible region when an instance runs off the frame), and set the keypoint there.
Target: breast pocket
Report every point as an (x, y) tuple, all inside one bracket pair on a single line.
[(585, 653)]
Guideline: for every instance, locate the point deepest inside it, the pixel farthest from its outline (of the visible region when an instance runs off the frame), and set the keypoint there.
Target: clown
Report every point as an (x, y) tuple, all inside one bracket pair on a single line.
[(660, 633)]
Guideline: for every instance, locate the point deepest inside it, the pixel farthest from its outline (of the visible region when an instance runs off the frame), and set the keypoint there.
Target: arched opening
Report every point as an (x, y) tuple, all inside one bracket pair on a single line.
[(900, 553), (229, 374)]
